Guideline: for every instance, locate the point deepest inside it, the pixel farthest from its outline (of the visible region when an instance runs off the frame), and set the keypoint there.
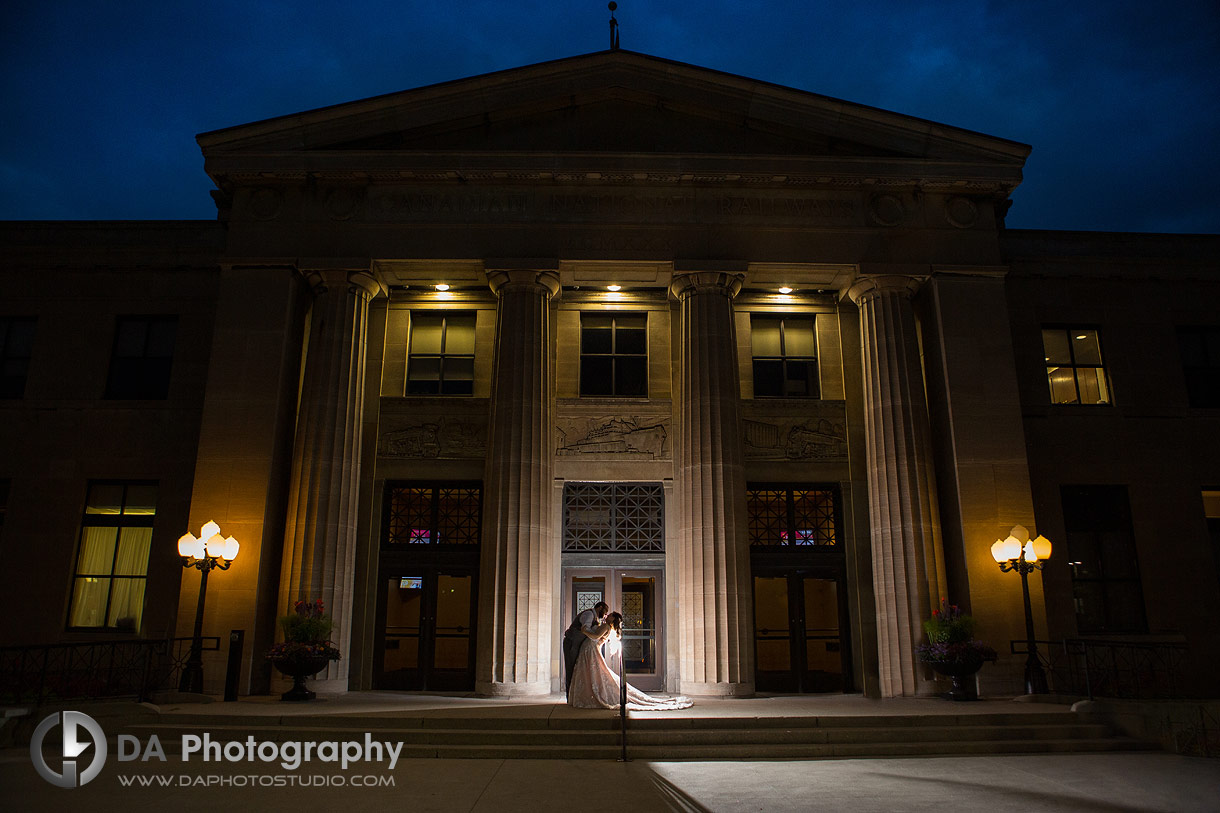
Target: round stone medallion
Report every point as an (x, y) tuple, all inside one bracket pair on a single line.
[(961, 212), (886, 210), (265, 203)]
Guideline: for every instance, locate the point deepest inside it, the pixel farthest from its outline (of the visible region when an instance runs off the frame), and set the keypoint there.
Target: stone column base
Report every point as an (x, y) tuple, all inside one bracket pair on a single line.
[(716, 689), (336, 686), (488, 689)]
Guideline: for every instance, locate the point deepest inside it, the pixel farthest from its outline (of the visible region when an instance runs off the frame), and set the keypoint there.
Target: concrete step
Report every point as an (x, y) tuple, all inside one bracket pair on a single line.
[(650, 736), (738, 752), (661, 737), (609, 720)]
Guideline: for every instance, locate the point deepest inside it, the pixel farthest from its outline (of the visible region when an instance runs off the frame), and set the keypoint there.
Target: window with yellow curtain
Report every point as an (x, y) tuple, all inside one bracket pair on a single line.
[(112, 561)]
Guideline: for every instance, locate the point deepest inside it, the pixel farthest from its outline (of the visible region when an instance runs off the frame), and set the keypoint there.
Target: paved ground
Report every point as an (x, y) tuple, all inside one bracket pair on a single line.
[(1083, 782), (1088, 782)]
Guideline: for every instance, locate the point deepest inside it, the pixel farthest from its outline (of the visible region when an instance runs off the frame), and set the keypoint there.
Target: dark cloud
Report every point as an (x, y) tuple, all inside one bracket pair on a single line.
[(1118, 99)]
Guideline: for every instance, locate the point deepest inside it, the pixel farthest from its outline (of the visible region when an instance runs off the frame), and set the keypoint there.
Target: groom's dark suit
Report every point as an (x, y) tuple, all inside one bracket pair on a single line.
[(573, 638)]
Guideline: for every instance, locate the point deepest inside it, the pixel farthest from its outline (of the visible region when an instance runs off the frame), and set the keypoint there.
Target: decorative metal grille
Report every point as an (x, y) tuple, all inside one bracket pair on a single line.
[(587, 600), (768, 517), (434, 515), (613, 517), (798, 517), (457, 516), (813, 514)]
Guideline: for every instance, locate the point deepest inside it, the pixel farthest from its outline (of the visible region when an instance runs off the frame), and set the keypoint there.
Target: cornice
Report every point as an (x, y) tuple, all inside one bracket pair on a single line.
[(604, 169)]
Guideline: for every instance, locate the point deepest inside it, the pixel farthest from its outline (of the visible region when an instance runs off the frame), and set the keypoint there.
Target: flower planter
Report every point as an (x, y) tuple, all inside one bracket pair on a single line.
[(957, 672), (299, 668), (306, 648), (951, 649)]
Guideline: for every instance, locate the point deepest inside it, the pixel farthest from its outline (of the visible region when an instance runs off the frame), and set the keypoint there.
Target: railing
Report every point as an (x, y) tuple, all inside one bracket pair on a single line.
[(44, 673), (1107, 668), (1196, 732)]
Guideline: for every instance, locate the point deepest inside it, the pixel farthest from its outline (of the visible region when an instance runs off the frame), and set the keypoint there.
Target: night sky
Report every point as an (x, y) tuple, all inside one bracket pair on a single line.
[(1120, 100)]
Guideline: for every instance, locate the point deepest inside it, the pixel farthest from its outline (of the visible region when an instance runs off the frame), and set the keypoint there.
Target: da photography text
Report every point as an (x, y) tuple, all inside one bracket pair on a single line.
[(290, 755), (83, 752)]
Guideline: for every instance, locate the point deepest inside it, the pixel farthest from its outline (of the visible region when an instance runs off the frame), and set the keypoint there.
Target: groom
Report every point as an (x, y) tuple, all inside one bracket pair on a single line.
[(575, 636)]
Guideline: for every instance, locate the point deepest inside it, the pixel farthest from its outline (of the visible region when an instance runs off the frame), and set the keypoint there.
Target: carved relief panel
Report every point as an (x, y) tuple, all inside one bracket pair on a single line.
[(813, 431), (425, 429), (639, 431)]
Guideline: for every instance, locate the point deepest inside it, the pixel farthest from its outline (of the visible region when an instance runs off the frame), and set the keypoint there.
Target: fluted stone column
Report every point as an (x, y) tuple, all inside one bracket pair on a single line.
[(714, 606), (320, 535), (908, 556), (516, 589)]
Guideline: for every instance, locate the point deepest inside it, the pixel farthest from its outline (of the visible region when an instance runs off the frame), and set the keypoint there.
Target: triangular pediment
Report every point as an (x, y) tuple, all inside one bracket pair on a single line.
[(611, 101), (617, 116)]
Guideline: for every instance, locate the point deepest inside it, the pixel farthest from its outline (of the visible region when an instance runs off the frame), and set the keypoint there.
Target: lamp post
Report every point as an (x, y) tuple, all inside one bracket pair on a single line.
[(207, 552), (1020, 553)]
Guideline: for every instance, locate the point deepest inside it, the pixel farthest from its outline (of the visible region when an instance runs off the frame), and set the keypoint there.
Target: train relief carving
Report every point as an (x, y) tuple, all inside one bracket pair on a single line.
[(441, 437), (794, 439), (633, 436)]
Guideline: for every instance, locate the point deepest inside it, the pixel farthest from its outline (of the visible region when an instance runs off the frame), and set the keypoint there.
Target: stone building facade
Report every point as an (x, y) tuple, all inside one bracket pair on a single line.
[(762, 368)]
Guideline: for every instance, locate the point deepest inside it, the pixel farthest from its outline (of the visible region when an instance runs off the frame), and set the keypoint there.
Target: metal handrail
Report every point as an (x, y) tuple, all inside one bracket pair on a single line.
[(1110, 668), (39, 673)]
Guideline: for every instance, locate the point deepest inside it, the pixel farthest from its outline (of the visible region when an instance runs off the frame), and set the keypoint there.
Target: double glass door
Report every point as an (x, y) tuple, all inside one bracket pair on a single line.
[(427, 640), (637, 594), (798, 635)]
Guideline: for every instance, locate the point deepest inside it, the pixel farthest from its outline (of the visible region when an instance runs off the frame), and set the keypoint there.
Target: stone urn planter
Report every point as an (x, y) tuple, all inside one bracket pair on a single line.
[(958, 672), (300, 667), (306, 648), (952, 650)]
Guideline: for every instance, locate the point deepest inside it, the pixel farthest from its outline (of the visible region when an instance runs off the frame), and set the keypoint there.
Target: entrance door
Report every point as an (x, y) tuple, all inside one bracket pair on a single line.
[(798, 641), (428, 622), (637, 594)]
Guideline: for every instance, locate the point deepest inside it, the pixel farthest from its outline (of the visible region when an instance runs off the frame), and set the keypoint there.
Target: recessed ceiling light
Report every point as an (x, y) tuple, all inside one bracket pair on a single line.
[(442, 286), (614, 287), (785, 290), (1082, 336)]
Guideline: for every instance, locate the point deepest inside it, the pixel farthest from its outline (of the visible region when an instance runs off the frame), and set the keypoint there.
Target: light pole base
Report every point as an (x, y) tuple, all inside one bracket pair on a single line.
[(1035, 678)]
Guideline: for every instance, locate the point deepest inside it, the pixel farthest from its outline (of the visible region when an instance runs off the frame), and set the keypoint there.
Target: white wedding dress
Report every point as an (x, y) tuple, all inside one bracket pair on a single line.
[(595, 686)]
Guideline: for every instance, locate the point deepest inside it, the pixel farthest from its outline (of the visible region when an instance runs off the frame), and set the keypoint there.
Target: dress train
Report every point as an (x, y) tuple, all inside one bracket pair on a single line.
[(596, 686)]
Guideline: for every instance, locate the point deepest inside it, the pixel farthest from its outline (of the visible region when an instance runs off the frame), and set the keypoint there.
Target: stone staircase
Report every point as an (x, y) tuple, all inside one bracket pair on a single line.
[(659, 737)]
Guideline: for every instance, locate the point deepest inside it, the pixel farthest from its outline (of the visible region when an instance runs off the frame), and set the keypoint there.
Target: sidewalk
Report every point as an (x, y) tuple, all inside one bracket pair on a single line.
[(996, 784)]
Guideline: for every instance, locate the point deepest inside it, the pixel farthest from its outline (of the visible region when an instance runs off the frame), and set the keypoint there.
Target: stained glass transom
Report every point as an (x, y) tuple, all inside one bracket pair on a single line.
[(613, 517), (434, 515), (792, 516)]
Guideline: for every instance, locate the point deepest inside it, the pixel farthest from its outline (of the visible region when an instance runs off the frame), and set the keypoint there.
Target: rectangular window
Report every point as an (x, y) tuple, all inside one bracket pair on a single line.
[(797, 516), (4, 489), (441, 356), (1211, 510), (16, 347), (1074, 366), (1200, 348), (433, 514), (142, 358), (785, 356), (1106, 584), (614, 354), (112, 561)]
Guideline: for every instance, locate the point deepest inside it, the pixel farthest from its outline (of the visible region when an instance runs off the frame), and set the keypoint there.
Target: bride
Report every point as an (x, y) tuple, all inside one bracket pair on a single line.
[(595, 686)]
